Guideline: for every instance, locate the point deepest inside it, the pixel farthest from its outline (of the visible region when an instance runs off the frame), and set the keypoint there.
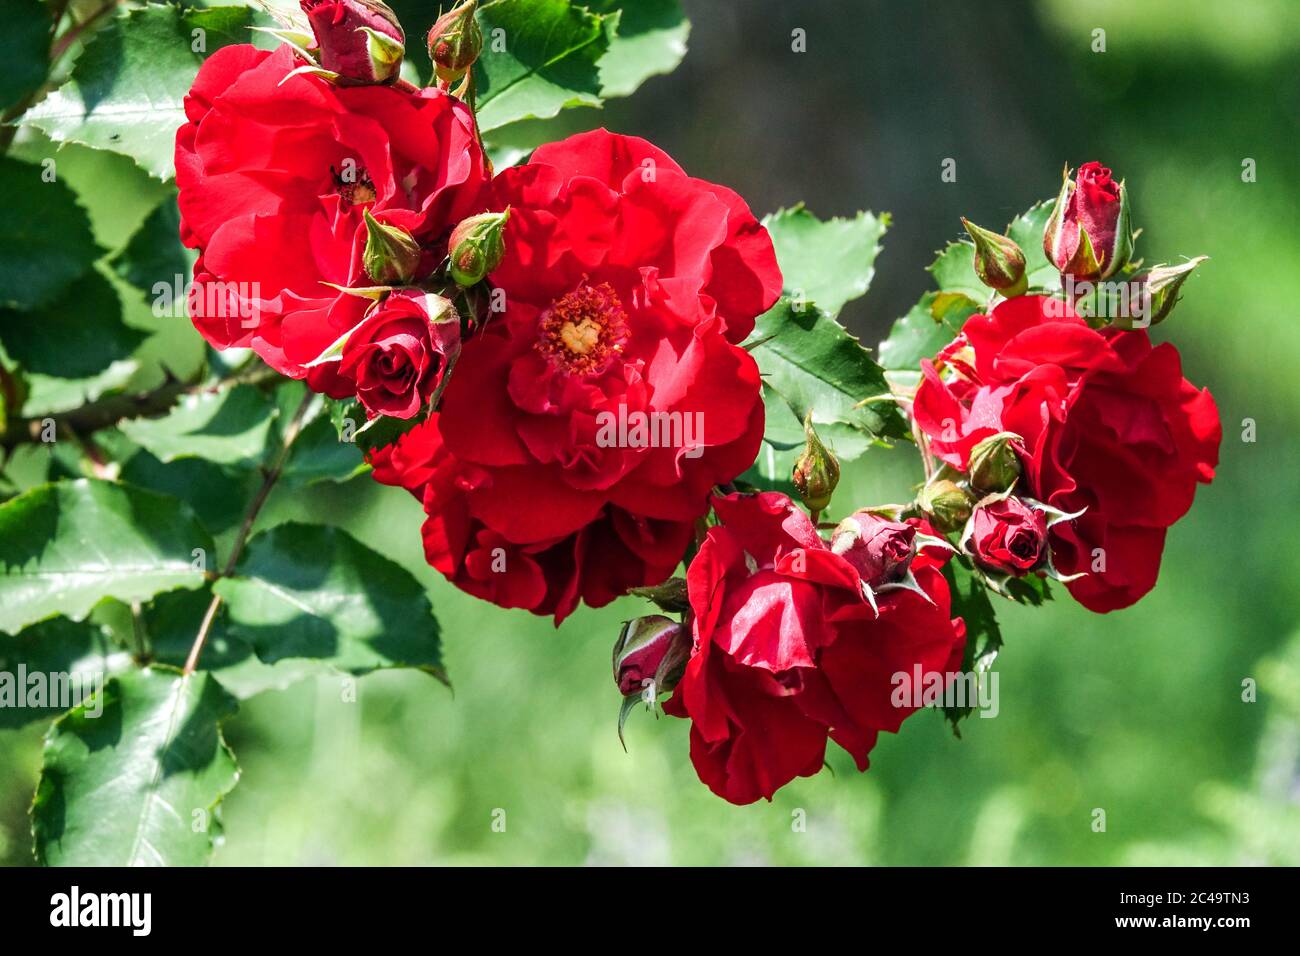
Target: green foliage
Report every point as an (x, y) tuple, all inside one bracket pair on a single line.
[(127, 89), (310, 591), (24, 48), (650, 39), (228, 426), (66, 545), (79, 649), (134, 776), (539, 57), (827, 263), (45, 239), (970, 602)]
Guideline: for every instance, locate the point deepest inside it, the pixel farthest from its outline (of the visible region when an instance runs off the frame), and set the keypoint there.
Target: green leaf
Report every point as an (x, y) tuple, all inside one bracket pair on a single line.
[(52, 666), (1027, 230), (930, 325), (172, 621), (954, 271), (813, 363), (228, 427), (828, 263), (127, 89), (352, 427), (24, 48), (970, 602), (154, 253), (140, 783), (320, 452), (78, 336), (311, 591), (539, 57), (64, 546), (651, 40), (45, 238), (218, 495)]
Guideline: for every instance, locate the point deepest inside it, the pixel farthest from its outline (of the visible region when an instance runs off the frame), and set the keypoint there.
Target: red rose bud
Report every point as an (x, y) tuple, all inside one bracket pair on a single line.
[(994, 464), (650, 653), (477, 246), (398, 356), (392, 255), (1008, 537), (880, 549), (1156, 295), (945, 504), (999, 260), (1088, 234), (816, 471), (455, 42), (360, 40)]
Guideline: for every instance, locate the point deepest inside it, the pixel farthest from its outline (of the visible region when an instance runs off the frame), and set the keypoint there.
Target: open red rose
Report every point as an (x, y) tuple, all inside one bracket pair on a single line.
[(274, 175), (1008, 537), (589, 422), (605, 558), (399, 354), (788, 652), (1109, 425)]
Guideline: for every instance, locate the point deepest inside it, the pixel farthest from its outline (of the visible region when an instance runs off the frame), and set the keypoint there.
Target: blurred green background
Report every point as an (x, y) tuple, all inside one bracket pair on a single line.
[(1139, 713)]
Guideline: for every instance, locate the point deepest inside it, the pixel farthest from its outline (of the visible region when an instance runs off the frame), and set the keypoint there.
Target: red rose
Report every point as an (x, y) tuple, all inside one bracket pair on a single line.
[(398, 355), (1108, 423), (604, 559), (788, 652), (881, 550), (589, 422), (1088, 234), (1008, 537), (273, 182), (346, 48)]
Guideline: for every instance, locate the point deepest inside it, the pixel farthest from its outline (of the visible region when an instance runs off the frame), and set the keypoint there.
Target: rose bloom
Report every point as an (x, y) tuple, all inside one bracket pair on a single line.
[(1109, 425), (628, 287), (274, 177), (1008, 537), (398, 355), (788, 652)]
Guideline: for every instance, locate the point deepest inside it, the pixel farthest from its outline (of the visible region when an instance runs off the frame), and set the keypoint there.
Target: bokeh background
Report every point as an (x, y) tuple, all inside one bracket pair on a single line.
[(1139, 713)]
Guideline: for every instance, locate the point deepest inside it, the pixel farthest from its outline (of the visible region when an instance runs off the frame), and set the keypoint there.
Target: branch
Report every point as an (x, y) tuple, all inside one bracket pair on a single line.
[(291, 433)]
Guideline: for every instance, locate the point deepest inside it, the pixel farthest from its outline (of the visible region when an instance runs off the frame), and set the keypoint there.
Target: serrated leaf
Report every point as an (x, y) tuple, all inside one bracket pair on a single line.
[(539, 57), (651, 39), (1027, 230), (813, 363), (827, 262), (45, 238), (319, 453), (24, 48), (71, 660), (127, 89), (66, 545), (138, 784), (78, 336), (217, 494), (312, 591), (171, 622), (930, 325), (229, 427)]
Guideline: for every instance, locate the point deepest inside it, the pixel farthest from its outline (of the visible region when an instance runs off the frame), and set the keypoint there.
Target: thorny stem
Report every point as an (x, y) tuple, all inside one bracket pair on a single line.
[(291, 433)]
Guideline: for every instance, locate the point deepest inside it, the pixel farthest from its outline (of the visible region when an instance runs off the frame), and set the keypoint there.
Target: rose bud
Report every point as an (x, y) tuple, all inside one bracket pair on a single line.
[(1088, 234), (999, 261), (476, 247), (650, 654), (946, 504), (360, 40), (400, 353), (1007, 536), (455, 42), (994, 464), (880, 549), (392, 255), (1156, 295), (816, 471)]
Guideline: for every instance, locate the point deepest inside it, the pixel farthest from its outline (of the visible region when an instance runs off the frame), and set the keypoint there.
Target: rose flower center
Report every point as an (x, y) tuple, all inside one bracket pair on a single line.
[(584, 331), (354, 185)]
